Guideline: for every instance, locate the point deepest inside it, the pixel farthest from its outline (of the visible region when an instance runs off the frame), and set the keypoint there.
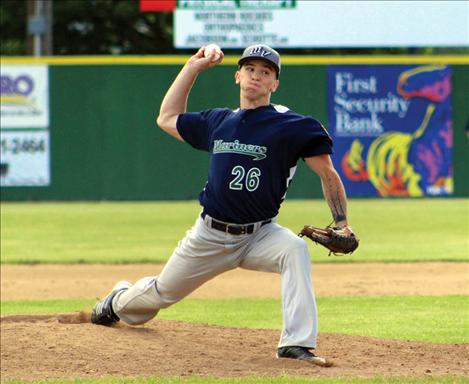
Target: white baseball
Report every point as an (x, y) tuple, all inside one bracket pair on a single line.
[(213, 51)]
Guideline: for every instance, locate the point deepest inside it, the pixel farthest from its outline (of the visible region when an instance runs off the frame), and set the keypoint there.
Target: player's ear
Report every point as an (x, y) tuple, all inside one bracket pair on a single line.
[(274, 87), (237, 75)]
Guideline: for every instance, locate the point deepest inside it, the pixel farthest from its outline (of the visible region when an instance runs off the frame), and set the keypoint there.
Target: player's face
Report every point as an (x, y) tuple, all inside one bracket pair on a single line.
[(257, 79)]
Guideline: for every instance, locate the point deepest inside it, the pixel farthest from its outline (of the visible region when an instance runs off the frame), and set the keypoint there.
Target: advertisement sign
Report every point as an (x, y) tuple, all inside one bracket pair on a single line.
[(232, 24), (24, 149), (24, 96), (320, 24), (392, 129), (24, 158)]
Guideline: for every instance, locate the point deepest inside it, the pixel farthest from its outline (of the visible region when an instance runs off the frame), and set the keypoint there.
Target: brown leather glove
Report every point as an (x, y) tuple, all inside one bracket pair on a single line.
[(337, 241)]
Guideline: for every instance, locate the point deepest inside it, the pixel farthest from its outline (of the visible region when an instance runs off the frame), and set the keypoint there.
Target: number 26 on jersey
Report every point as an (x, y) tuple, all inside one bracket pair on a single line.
[(242, 179)]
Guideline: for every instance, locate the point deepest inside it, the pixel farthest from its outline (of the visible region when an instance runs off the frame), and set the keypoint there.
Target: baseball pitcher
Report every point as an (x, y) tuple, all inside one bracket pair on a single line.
[(254, 151)]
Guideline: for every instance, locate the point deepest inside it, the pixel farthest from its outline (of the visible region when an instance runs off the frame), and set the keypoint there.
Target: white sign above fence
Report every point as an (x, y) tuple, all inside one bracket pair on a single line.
[(321, 24)]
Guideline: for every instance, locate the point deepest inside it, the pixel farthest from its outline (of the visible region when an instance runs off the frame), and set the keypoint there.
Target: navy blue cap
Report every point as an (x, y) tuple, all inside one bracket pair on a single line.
[(261, 52)]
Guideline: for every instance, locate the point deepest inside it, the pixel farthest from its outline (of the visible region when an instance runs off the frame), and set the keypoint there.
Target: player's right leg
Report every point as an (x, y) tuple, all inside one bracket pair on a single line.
[(200, 256)]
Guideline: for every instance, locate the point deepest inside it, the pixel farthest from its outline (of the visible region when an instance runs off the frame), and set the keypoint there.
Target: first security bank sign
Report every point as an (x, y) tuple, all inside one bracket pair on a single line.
[(354, 95), (392, 129)]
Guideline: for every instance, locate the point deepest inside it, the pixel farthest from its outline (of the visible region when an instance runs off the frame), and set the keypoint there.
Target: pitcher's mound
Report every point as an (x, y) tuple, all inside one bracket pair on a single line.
[(69, 346)]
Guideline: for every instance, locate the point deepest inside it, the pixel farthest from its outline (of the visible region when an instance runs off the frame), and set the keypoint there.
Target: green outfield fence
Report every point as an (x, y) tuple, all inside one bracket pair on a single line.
[(104, 144)]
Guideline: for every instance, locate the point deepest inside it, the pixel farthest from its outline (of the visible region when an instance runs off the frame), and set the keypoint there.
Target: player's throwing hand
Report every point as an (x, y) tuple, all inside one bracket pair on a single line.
[(206, 57)]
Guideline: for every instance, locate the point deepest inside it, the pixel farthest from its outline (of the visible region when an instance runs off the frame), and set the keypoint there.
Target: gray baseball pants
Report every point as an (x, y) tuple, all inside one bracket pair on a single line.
[(206, 252)]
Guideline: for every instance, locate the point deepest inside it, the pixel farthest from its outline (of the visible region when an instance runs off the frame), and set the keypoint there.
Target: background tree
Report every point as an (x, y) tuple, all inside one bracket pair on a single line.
[(91, 27), (109, 27), (13, 27)]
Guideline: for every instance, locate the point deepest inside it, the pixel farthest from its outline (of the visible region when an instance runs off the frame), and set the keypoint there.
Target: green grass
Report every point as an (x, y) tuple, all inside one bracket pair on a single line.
[(92, 232), (441, 319), (390, 230), (260, 380), (34, 307)]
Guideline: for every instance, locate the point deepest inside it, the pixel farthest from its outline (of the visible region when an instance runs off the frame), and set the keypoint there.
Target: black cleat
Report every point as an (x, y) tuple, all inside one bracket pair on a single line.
[(302, 353), (102, 312)]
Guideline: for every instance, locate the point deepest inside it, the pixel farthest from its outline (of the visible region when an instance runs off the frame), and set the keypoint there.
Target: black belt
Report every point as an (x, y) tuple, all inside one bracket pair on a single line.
[(234, 229)]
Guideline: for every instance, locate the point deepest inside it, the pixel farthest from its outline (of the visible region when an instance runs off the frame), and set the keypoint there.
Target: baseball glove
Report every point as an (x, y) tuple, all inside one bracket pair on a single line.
[(337, 241)]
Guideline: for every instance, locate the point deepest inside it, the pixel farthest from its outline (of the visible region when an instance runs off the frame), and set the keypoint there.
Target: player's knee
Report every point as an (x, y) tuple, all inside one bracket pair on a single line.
[(297, 245), (296, 252), (140, 300)]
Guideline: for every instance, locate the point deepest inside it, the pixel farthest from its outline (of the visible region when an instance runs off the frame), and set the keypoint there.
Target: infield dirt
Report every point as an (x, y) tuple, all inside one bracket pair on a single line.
[(69, 346)]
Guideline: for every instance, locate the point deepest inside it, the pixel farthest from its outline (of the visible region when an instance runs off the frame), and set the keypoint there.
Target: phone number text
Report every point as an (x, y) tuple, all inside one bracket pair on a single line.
[(16, 146)]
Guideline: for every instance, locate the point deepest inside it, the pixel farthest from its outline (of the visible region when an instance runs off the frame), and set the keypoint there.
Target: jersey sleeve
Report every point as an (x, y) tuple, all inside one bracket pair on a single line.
[(195, 127), (316, 141)]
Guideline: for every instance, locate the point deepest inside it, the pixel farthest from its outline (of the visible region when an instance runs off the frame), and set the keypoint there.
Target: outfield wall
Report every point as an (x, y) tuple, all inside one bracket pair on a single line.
[(104, 144)]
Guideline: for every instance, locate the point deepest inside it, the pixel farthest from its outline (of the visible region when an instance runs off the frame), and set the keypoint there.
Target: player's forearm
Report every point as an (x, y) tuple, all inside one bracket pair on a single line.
[(175, 101), (332, 187), (334, 193)]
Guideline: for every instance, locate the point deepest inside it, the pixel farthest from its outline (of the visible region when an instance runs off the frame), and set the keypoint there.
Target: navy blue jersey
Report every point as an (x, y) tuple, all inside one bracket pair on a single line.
[(254, 153)]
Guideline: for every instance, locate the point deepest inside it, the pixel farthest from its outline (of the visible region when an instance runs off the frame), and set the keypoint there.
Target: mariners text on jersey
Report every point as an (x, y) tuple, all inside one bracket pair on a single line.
[(254, 154), (257, 151)]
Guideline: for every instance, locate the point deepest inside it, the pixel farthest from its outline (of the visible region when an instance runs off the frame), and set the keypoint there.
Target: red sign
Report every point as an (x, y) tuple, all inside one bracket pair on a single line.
[(157, 5)]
